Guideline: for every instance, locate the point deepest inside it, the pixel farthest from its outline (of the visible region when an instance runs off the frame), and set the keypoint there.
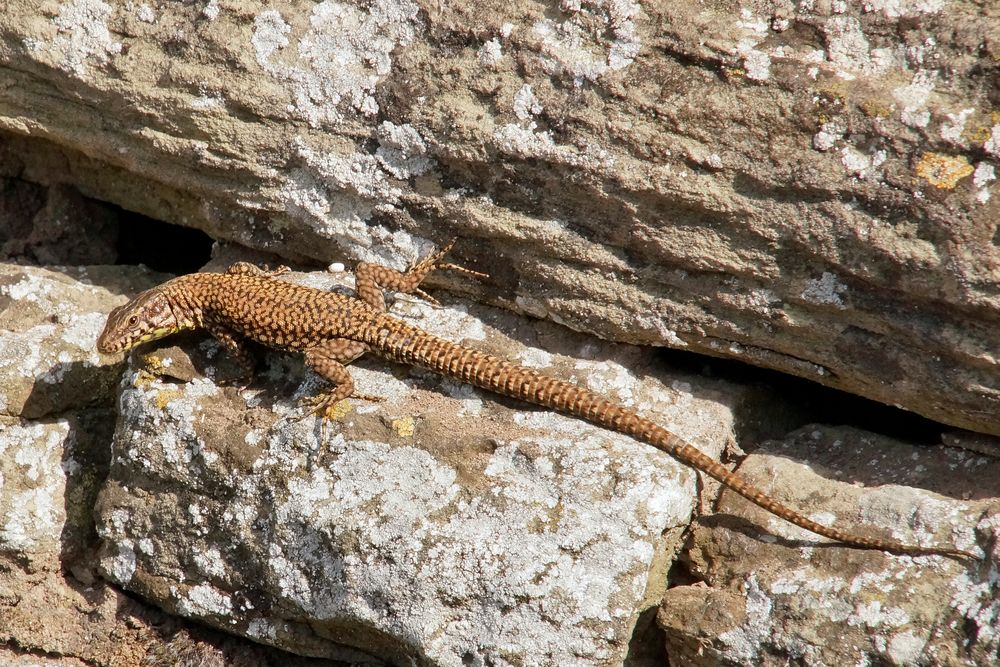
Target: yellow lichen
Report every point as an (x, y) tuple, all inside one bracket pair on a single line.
[(875, 108), (403, 427), (144, 378), (943, 171), (165, 396), (338, 410)]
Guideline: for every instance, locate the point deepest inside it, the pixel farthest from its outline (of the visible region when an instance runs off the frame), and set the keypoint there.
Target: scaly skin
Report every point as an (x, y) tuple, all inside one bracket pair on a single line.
[(333, 329)]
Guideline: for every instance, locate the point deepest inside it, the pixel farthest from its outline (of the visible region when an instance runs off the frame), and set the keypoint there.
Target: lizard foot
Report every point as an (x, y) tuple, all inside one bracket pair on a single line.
[(433, 263), (416, 273), (327, 407)]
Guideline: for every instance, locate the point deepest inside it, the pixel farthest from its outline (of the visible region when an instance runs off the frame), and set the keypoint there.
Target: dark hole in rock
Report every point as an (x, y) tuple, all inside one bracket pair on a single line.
[(160, 245)]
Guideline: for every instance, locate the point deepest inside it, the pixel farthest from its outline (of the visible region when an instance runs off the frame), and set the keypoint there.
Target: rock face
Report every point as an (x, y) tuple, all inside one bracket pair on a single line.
[(441, 526), (772, 604), (807, 188), (56, 420)]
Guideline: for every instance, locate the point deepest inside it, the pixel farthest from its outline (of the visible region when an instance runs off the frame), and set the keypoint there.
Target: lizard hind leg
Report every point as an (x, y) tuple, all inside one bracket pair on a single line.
[(372, 277)]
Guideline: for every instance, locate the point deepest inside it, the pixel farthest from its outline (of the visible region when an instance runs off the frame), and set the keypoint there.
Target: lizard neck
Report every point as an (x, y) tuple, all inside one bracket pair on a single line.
[(185, 294)]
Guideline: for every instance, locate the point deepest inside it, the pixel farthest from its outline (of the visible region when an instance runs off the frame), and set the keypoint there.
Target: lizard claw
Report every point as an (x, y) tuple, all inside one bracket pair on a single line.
[(324, 406)]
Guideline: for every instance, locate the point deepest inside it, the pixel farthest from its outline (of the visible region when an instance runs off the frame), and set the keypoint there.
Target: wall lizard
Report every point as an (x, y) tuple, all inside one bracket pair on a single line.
[(333, 330)]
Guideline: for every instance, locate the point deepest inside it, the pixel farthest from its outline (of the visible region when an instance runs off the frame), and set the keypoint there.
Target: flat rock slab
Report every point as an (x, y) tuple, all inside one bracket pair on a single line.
[(437, 527), (818, 604), (809, 187)]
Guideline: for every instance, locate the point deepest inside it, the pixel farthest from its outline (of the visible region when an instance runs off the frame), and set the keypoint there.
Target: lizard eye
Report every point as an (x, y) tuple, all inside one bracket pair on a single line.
[(132, 321)]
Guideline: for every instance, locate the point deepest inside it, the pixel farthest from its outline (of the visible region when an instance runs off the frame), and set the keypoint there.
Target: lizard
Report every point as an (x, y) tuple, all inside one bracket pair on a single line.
[(333, 329)]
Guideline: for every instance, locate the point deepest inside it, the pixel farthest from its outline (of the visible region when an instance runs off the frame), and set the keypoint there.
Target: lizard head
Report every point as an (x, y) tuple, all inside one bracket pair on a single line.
[(146, 317)]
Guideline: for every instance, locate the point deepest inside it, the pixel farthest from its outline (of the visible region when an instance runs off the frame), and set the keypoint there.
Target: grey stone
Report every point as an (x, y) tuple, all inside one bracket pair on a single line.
[(813, 604), (809, 188)]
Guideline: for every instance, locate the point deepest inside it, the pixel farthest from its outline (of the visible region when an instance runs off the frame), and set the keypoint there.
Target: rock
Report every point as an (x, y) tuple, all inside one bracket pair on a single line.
[(52, 600), (809, 189), (799, 600), (51, 319), (440, 526), (68, 229)]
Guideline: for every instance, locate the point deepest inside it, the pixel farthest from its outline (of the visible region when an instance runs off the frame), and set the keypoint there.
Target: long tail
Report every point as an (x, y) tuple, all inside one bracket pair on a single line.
[(401, 342)]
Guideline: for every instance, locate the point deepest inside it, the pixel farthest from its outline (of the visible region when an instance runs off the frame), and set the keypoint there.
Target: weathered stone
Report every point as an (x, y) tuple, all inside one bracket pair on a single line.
[(51, 318), (808, 188), (52, 599), (813, 604)]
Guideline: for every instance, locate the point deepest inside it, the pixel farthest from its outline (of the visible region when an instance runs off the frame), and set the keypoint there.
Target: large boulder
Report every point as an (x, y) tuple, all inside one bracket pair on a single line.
[(805, 188)]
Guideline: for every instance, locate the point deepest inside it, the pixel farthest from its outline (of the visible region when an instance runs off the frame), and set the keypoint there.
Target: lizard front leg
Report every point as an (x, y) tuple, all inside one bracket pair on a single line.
[(370, 278), (237, 348)]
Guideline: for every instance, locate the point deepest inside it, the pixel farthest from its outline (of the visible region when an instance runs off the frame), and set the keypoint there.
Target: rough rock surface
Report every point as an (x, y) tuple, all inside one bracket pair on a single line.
[(805, 186), (55, 429), (797, 601), (436, 527)]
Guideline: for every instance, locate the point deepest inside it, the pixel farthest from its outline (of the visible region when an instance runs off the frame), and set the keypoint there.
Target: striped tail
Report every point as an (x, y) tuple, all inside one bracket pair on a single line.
[(398, 341)]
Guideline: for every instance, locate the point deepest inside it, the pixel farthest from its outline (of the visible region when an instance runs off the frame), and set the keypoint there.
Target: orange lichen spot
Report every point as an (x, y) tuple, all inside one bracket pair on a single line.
[(943, 171)]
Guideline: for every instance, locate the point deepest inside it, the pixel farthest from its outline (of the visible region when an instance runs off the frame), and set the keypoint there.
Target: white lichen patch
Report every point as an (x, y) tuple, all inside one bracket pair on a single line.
[(261, 629), (146, 14), (335, 195), (490, 53), (826, 290), (609, 379), (913, 517), (209, 562), (120, 566), (861, 165), (906, 648), (756, 63), (452, 323), (850, 53), (913, 100), (32, 487), (533, 357), (952, 129), (829, 134), (568, 47), (211, 10), (874, 615), (402, 150), (903, 8), (745, 642), (83, 38), (529, 142), (339, 60), (992, 145), (981, 178), (204, 600), (526, 104)]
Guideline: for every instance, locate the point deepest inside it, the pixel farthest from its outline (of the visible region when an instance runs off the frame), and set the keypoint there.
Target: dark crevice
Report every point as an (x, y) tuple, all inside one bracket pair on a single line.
[(160, 245), (805, 402)]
